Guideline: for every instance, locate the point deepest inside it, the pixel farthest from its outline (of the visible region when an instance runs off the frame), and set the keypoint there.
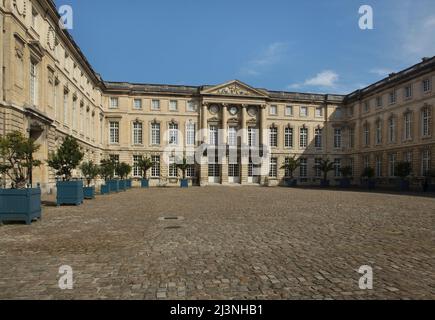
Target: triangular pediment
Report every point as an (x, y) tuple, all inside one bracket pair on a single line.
[(234, 88)]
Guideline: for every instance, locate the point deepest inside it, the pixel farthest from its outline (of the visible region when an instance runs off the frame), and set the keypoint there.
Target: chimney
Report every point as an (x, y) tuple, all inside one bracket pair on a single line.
[(424, 59)]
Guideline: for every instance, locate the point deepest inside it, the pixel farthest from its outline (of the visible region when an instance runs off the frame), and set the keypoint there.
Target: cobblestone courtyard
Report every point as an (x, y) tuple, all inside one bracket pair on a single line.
[(231, 243)]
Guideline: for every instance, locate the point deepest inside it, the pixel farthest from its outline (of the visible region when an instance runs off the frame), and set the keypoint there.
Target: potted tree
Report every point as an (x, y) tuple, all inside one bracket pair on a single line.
[(21, 202), (346, 172), (403, 171), (183, 166), (107, 169), (112, 182), (145, 164), (290, 166), (367, 177), (123, 170), (90, 171), (64, 161), (325, 166)]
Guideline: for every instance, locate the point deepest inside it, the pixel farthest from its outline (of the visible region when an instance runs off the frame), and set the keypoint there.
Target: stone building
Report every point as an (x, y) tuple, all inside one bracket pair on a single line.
[(49, 90)]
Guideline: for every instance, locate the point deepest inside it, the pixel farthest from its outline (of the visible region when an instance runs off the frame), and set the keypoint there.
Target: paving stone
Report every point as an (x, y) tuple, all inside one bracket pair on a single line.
[(234, 243)]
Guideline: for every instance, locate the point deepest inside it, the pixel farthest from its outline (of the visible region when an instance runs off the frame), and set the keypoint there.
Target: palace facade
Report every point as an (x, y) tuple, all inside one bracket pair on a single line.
[(49, 90)]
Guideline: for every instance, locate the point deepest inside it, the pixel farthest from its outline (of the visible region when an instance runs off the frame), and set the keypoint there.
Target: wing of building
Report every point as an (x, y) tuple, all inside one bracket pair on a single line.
[(49, 90)]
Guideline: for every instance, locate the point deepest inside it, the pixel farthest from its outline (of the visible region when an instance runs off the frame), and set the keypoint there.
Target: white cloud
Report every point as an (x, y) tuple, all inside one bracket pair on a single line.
[(324, 79), (272, 55)]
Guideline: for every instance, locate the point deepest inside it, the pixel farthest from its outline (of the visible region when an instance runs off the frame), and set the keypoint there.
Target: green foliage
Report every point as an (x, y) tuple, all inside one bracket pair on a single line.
[(291, 165), (17, 153), (66, 158), (183, 166), (145, 164), (403, 169), (325, 166), (123, 170), (90, 171), (368, 173), (346, 171), (107, 169)]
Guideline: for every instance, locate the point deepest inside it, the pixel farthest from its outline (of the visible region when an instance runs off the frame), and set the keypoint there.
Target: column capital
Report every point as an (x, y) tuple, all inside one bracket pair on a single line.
[(225, 105), (263, 106)]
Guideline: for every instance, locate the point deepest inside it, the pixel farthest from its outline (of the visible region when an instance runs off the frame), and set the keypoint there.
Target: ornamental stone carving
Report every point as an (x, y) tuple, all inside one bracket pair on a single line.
[(20, 6)]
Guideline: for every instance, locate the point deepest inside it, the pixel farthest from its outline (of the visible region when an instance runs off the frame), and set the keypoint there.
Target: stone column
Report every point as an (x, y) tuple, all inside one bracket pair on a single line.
[(244, 161), (204, 126), (263, 137), (203, 166), (223, 142)]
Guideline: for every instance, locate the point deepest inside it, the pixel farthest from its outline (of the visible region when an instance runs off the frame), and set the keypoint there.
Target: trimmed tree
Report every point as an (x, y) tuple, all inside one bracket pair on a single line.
[(17, 152), (183, 166), (145, 164), (107, 169), (66, 158), (90, 171), (123, 170), (325, 166), (291, 165)]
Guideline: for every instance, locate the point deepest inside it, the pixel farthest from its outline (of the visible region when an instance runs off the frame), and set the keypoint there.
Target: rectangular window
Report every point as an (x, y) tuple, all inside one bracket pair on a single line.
[(273, 168), (351, 138), (408, 91), (114, 132), (378, 132), (337, 138), (233, 170), (65, 107), (318, 172), (407, 157), (173, 105), (318, 138), (172, 168), (74, 113), (425, 117), (273, 137), (393, 97), (303, 169), (391, 130), (378, 162), (138, 103), (392, 165), (190, 172), (173, 134), (191, 106), (232, 136), (273, 110), (155, 170), (33, 83), (408, 126), (366, 161), (137, 133), (366, 106), (155, 104), (425, 162), (252, 137), (303, 138), (214, 167), (304, 112), (155, 134), (427, 85), (288, 137), (337, 167), (213, 135), (289, 111), (136, 170), (379, 102), (366, 135), (190, 134), (319, 112), (114, 103)]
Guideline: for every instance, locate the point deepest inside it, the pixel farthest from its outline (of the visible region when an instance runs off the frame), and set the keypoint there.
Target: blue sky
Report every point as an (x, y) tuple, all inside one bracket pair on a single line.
[(309, 46)]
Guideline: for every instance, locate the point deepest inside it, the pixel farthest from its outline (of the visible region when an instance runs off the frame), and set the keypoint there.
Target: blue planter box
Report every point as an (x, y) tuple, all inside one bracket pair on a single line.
[(324, 183), (122, 185), (105, 189), (70, 192), (144, 183), (20, 205), (184, 183), (89, 192), (113, 185), (345, 183), (291, 183), (128, 183)]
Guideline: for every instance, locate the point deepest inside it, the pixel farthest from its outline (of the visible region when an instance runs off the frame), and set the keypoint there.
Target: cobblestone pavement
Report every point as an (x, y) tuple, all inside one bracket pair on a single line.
[(231, 243)]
